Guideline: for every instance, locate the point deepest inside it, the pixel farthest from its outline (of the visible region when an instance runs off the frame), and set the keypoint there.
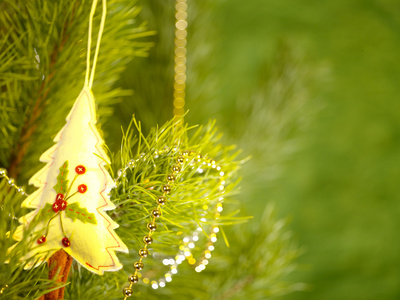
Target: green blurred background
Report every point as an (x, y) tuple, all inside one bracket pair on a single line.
[(310, 90)]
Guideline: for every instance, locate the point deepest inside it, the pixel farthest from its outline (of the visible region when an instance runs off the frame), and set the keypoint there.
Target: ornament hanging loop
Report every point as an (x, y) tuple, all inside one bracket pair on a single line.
[(91, 71)]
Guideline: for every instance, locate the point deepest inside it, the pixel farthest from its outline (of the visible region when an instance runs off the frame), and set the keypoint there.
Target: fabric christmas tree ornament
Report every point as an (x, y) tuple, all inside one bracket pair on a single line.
[(73, 195)]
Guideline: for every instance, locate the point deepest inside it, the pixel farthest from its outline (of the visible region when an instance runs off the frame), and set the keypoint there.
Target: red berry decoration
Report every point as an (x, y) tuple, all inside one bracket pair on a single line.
[(56, 206), (59, 197), (65, 241), (80, 169), (62, 205), (41, 240), (82, 188)]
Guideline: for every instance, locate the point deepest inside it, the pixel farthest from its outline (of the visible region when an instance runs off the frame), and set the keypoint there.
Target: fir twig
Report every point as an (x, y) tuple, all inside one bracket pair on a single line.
[(30, 124)]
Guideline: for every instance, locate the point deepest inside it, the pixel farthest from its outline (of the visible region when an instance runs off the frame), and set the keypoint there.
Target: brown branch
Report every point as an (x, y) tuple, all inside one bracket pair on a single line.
[(27, 131), (30, 125), (59, 264)]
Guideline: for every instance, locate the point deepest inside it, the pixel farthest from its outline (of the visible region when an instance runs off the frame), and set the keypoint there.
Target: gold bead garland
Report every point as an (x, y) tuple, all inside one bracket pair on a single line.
[(11, 182), (188, 242), (151, 226), (3, 289)]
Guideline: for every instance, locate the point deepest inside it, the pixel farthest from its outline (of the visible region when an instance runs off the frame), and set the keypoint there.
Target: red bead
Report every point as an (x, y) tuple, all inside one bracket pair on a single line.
[(56, 206), (65, 241), (82, 188), (80, 169), (59, 197), (62, 205), (41, 240)]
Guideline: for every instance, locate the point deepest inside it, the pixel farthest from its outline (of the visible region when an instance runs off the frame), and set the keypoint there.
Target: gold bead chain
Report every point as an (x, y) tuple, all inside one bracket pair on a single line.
[(189, 242), (155, 213), (194, 160), (11, 182), (3, 289)]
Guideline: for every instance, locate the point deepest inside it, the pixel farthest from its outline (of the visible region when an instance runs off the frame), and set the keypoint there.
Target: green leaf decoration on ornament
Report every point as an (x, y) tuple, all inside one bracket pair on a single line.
[(75, 212), (46, 212), (62, 181)]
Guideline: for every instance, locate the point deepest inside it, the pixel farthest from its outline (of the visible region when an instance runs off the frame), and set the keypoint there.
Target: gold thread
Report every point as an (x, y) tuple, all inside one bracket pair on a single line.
[(89, 81)]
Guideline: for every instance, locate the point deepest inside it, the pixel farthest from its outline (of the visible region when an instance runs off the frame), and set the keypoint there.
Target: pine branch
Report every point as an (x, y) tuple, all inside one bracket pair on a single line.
[(20, 283), (30, 124), (139, 186), (56, 34)]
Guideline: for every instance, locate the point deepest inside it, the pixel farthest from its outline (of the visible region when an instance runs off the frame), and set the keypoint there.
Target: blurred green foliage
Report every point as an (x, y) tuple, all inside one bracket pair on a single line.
[(338, 179), (341, 186)]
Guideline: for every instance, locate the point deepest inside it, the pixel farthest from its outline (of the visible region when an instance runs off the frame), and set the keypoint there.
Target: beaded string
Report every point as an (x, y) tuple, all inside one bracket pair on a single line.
[(11, 182), (188, 242), (3, 289), (155, 213)]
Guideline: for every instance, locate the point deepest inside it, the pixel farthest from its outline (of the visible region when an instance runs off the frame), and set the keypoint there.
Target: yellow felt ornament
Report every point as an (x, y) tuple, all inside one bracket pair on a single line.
[(73, 188)]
